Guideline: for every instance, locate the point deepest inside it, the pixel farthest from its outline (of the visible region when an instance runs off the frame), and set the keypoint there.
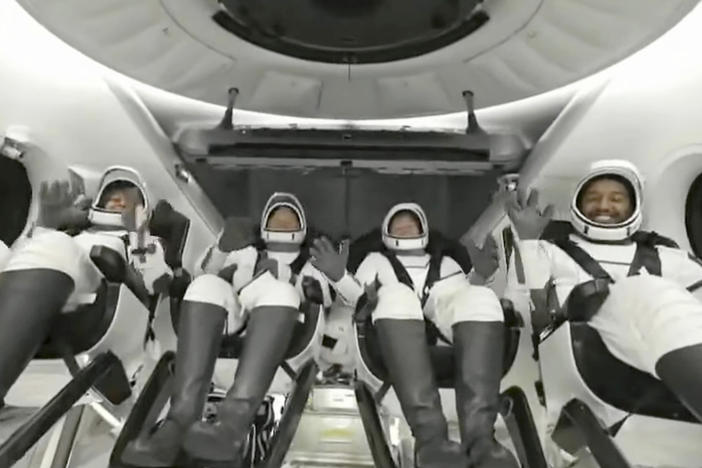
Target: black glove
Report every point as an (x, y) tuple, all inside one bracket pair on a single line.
[(162, 284), (312, 290), (368, 301), (585, 299), (237, 233), (485, 260), (528, 220), (179, 284), (327, 259), (134, 215), (57, 207)]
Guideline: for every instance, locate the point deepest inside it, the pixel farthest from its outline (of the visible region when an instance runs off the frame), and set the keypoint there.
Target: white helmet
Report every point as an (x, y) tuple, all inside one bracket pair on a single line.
[(277, 200), (116, 176), (610, 232), (405, 243)]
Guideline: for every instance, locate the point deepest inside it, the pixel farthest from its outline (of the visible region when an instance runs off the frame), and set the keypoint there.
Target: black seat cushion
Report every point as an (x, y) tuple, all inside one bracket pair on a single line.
[(442, 357), (610, 379), (438, 243), (619, 384), (83, 328)]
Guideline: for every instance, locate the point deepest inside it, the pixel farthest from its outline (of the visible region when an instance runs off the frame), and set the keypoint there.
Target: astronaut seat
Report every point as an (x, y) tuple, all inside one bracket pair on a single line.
[(303, 348), (104, 325), (294, 379), (102, 342), (269, 437), (373, 390), (619, 413)]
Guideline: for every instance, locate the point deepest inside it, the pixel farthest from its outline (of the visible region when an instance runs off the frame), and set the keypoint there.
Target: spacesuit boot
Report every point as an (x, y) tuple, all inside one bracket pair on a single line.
[(200, 329), (268, 335), (404, 350), (30, 300), (478, 348), (681, 371)]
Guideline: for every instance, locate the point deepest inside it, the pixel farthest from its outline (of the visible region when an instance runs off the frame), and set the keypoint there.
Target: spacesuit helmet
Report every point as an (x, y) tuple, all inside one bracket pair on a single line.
[(625, 215), (284, 204), (110, 199), (403, 243)]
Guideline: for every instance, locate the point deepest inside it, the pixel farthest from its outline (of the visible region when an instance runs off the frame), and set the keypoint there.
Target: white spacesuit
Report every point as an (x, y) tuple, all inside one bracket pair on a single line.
[(244, 281), (285, 255), (413, 284), (49, 271), (649, 319)]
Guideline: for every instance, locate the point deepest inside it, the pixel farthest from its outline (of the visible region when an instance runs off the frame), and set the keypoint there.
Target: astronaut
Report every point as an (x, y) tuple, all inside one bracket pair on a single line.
[(257, 282), (49, 271), (413, 284), (648, 319)]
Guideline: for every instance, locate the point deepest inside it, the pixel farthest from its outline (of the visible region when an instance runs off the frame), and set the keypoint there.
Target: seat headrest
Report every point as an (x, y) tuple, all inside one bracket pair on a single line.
[(438, 244), (172, 227)]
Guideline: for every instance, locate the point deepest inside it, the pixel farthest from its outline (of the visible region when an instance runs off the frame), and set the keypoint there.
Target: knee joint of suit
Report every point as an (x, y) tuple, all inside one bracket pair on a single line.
[(475, 304), (397, 301), (269, 291), (281, 293), (210, 289), (52, 250), (656, 288)]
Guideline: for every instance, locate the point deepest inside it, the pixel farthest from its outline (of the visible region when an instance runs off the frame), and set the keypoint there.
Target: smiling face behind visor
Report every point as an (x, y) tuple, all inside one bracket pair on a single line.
[(115, 197), (607, 202), (405, 225), (117, 187), (405, 228), (283, 220)]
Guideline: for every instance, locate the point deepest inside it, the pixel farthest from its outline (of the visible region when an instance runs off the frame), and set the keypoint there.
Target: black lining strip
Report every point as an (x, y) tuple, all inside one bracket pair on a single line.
[(452, 275)]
